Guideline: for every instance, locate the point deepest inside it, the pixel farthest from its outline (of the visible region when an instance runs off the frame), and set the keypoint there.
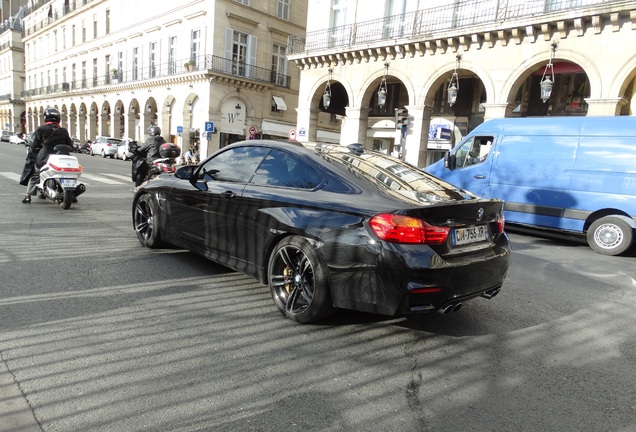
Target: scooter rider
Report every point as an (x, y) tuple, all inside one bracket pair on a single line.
[(45, 138), (146, 154), (152, 144)]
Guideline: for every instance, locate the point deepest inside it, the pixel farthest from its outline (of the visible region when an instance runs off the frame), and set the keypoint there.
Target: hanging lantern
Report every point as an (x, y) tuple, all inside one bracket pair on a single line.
[(547, 82), (382, 91), (326, 96), (453, 85)]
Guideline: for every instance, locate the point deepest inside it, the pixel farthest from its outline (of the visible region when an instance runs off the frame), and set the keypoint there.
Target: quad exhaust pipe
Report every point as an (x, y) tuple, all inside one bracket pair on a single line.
[(491, 293), (450, 307), (454, 306)]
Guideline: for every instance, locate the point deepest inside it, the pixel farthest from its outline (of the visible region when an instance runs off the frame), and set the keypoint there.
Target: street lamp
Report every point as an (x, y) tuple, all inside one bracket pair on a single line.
[(546, 82), (453, 86), (326, 96), (382, 91)]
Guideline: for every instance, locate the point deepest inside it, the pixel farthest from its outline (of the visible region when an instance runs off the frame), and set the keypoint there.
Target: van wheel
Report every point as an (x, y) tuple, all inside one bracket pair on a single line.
[(610, 235)]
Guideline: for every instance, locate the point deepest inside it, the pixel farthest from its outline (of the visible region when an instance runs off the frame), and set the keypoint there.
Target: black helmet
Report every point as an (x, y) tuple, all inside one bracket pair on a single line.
[(154, 131), (51, 115)]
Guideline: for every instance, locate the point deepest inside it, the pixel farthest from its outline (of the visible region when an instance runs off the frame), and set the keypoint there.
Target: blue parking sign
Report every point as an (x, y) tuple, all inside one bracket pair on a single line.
[(209, 126)]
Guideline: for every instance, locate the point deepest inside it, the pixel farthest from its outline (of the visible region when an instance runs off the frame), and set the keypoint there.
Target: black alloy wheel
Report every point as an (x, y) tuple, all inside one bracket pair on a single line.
[(298, 281), (145, 222)]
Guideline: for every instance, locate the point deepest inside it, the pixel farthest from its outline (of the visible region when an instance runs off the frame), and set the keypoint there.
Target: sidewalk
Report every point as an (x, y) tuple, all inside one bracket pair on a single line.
[(15, 412)]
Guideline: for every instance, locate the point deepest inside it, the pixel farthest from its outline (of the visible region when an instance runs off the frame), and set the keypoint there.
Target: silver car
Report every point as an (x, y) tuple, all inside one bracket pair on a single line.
[(105, 146)]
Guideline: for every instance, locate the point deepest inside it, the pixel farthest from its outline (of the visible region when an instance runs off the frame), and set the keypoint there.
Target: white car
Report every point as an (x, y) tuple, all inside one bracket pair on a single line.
[(123, 149), (105, 146), (17, 139)]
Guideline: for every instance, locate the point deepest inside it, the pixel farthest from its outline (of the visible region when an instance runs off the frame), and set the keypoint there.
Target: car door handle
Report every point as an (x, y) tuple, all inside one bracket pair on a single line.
[(228, 194), (480, 177)]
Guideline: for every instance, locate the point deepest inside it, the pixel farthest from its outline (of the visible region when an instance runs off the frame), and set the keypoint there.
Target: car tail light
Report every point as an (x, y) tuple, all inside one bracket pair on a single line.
[(501, 222), (405, 229)]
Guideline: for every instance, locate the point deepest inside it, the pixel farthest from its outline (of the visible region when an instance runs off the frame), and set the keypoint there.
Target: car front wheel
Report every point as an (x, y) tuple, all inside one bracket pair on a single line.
[(298, 281), (146, 223), (610, 235)]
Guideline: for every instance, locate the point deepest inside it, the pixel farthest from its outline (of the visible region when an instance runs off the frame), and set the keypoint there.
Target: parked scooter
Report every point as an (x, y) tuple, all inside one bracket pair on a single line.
[(59, 177), (86, 147)]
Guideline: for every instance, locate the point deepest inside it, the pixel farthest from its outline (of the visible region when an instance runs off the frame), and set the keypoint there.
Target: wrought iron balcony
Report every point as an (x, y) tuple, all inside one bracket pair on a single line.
[(207, 64), (425, 23)]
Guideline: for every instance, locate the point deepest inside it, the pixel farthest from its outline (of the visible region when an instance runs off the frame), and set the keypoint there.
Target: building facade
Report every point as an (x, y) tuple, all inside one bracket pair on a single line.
[(443, 70), (11, 66), (207, 72)]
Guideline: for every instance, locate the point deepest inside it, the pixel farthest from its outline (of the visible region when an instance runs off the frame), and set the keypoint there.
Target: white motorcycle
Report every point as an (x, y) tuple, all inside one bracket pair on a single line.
[(59, 177)]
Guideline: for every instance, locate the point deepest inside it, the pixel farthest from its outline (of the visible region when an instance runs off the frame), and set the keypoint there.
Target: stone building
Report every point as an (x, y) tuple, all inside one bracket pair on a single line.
[(444, 70), (206, 72), (11, 65)]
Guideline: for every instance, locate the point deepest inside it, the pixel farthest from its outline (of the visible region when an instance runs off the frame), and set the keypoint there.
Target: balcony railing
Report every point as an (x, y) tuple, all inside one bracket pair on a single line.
[(426, 22), (53, 15), (207, 63)]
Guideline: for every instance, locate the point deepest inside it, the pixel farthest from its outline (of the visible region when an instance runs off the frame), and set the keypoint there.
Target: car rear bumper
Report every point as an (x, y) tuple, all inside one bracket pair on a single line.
[(416, 281)]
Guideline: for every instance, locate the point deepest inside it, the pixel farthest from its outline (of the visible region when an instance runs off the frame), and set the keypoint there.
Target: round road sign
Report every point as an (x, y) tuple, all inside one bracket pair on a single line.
[(292, 134)]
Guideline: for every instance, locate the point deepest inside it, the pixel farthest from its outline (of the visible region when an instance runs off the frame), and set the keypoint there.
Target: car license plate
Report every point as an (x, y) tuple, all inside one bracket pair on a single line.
[(468, 235), (68, 182)]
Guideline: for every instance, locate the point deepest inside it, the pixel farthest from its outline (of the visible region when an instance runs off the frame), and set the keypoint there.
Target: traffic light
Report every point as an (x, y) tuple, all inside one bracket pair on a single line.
[(401, 119)]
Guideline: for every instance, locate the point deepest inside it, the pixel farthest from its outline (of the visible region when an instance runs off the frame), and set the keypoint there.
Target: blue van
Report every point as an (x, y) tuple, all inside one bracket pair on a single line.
[(574, 175)]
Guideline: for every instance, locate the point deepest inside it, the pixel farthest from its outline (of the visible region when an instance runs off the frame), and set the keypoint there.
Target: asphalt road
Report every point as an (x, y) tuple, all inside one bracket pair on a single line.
[(100, 334)]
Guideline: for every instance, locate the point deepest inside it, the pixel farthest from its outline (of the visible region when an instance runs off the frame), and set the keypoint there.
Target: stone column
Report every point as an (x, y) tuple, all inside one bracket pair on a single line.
[(354, 127), (414, 151), (307, 124), (498, 110), (605, 106)]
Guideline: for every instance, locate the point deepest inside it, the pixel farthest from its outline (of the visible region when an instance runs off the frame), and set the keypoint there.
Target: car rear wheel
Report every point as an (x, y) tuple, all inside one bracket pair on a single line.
[(298, 281), (146, 223), (610, 235)]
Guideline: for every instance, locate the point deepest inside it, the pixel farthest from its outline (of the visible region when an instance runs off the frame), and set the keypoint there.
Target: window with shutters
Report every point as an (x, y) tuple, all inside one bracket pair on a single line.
[(282, 11), (279, 65), (240, 53)]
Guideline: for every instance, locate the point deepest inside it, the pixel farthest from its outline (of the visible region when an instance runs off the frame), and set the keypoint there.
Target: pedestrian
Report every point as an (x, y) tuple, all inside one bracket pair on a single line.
[(45, 138)]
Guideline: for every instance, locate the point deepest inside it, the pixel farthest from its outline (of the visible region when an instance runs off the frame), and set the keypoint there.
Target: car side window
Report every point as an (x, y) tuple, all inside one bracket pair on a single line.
[(474, 151), (283, 169), (233, 165)]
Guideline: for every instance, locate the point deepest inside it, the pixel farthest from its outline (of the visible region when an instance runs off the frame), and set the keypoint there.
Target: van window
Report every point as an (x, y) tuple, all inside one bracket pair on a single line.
[(474, 151)]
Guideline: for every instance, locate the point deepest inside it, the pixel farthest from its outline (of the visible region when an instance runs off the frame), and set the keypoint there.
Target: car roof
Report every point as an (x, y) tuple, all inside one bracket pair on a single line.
[(356, 165)]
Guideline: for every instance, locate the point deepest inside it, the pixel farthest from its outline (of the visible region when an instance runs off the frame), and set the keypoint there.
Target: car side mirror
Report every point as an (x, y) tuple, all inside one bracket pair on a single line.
[(450, 161), (184, 172), (187, 172)]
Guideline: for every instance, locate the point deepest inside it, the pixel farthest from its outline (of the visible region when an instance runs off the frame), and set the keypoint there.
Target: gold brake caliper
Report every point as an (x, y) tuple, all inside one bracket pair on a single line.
[(287, 272)]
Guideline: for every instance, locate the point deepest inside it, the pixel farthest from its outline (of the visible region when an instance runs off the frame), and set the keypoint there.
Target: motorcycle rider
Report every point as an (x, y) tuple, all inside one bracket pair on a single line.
[(45, 138), (146, 154)]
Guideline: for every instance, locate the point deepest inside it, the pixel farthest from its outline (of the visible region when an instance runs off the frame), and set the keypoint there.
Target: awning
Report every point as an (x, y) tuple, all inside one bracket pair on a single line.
[(562, 68), (280, 103), (277, 129)]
